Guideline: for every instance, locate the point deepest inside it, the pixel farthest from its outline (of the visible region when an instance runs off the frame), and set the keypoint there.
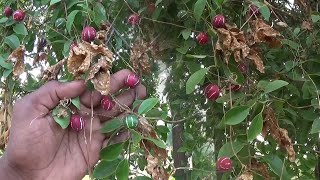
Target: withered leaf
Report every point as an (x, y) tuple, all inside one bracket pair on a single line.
[(139, 56), (306, 25), (263, 33), (255, 57), (17, 58), (99, 74), (247, 175), (52, 72), (270, 124), (261, 168), (155, 169)]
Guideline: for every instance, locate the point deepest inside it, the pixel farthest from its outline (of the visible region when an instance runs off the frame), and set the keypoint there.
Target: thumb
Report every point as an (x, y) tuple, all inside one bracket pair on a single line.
[(50, 94)]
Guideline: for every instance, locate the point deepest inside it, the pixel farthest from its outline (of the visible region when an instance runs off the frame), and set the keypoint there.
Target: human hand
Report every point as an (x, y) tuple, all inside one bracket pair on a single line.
[(39, 148)]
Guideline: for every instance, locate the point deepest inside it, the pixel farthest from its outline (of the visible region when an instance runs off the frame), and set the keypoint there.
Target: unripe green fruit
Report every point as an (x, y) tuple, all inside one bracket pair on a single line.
[(131, 121), (60, 23)]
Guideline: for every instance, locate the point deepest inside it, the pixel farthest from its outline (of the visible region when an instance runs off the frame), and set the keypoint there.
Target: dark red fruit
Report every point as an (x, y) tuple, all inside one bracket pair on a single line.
[(242, 68), (224, 164), (235, 87), (88, 34), (77, 122), (132, 80), (202, 38), (254, 10), (134, 19), (212, 92), (7, 11), (219, 21), (107, 103), (18, 15)]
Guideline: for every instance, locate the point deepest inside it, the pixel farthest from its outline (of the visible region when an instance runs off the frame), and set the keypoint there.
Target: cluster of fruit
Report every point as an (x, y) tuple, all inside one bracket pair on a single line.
[(77, 122), (212, 91), (17, 15)]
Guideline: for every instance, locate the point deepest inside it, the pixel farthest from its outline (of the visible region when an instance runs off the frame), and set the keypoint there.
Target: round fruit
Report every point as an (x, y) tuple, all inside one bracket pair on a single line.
[(134, 19), (132, 80), (182, 15), (254, 10), (77, 122), (60, 23), (212, 92), (7, 11), (242, 68), (219, 21), (18, 15), (224, 164), (131, 121), (235, 87), (88, 34), (107, 103), (202, 38)]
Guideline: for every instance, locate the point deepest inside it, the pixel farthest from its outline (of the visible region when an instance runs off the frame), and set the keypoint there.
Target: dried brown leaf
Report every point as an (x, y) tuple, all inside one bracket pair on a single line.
[(17, 58), (263, 33), (255, 57), (40, 57), (139, 56), (306, 25), (279, 134), (52, 72), (261, 168), (245, 176), (99, 74)]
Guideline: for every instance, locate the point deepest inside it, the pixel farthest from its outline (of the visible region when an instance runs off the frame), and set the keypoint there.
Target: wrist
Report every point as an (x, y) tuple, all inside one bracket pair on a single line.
[(7, 171)]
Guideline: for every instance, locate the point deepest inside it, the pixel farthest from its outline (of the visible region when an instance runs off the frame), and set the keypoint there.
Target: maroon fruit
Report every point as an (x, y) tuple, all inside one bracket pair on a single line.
[(235, 87), (242, 68), (219, 21), (212, 92), (107, 103), (254, 10), (202, 38), (88, 34), (224, 164), (132, 80), (18, 15), (134, 19), (7, 11), (77, 122)]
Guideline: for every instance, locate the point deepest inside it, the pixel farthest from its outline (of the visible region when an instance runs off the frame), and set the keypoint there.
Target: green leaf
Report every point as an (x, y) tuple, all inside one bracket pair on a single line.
[(255, 127), (157, 142), (196, 56), (62, 116), (52, 2), (105, 169), (70, 19), (315, 18), (186, 33), (20, 29), (198, 8), (219, 2), (230, 150), (264, 10), (315, 126), (136, 137), (111, 152), (147, 105), (274, 85), (277, 166), (6, 73), (195, 79), (12, 41), (3, 20), (236, 115), (76, 102), (291, 44), (143, 178), (122, 172), (100, 13), (4, 64), (111, 125)]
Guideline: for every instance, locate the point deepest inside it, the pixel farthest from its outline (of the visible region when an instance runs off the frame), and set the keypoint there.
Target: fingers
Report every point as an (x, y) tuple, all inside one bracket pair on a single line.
[(117, 82), (50, 94), (123, 101)]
